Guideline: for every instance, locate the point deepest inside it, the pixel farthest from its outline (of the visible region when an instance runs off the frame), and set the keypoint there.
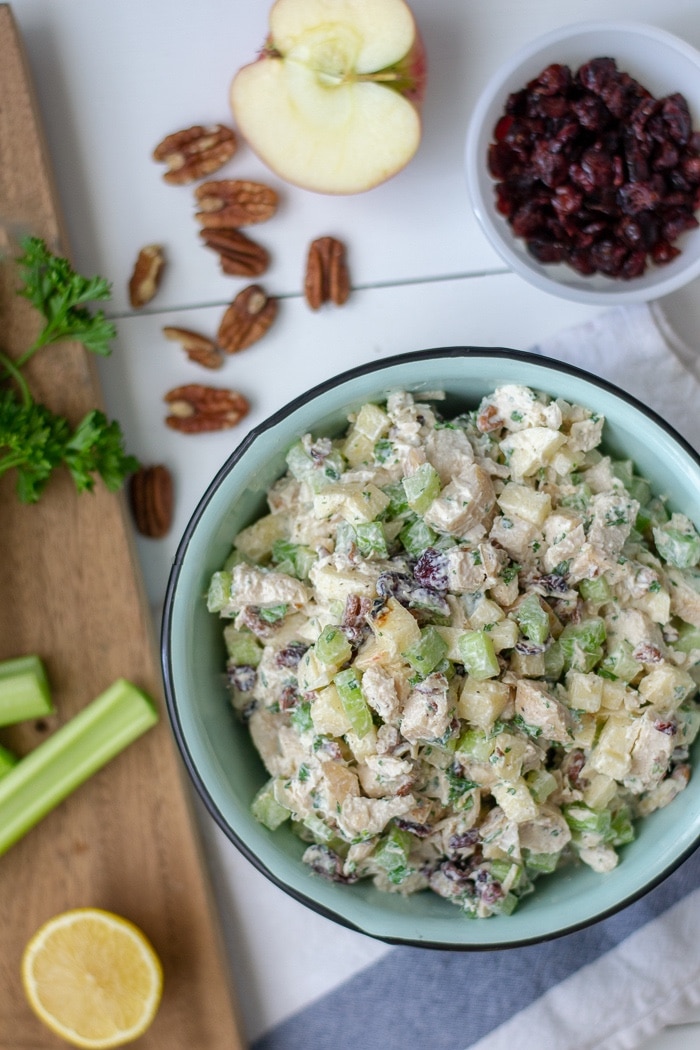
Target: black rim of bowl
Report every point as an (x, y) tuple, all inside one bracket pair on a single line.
[(377, 367)]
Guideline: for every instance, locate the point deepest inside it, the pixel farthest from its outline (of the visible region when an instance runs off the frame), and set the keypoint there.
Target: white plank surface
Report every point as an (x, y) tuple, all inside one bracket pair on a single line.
[(112, 79)]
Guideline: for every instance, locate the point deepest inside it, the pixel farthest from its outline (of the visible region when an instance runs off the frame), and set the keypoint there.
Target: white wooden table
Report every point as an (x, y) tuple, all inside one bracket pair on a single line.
[(112, 79)]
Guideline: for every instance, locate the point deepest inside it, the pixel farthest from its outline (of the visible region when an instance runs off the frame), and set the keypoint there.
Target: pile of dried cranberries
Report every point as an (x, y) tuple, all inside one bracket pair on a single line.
[(595, 172)]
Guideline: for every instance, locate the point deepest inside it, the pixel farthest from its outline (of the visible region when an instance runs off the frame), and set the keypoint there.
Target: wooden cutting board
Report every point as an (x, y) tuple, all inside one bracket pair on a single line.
[(70, 591)]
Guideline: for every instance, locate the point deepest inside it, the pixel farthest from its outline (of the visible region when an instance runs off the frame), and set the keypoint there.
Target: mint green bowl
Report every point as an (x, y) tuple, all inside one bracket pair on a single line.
[(216, 749)]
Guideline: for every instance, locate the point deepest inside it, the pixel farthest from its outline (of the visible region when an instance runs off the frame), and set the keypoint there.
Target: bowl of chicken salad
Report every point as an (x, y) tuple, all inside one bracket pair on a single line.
[(431, 648)]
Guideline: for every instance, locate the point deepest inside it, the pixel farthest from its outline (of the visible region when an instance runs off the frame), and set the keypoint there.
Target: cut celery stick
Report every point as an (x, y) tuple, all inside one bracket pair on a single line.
[(58, 765), (24, 690), (8, 760)]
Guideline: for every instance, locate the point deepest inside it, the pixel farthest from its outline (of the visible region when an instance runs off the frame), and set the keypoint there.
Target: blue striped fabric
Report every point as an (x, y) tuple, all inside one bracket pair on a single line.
[(420, 999)]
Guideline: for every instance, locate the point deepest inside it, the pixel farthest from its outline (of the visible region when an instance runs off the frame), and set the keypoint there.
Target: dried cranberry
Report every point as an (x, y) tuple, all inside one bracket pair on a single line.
[(663, 252), (676, 118), (546, 251), (242, 677), (431, 569), (637, 196), (291, 654)]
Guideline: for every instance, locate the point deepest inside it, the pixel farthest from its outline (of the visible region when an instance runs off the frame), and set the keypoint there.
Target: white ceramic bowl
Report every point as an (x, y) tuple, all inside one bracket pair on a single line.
[(216, 747), (663, 64)]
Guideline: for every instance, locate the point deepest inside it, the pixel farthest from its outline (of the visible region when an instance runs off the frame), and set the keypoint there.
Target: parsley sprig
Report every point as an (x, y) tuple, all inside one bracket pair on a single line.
[(34, 441)]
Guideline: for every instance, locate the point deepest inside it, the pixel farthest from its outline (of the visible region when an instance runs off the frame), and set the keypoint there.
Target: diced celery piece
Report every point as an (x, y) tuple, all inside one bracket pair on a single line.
[(688, 638), (532, 619), (478, 655), (430, 649), (477, 744), (417, 537), (621, 828), (582, 643), (596, 590), (266, 809), (319, 830), (24, 690), (541, 863), (620, 663), (580, 817), (541, 783), (422, 487), (652, 513), (347, 683), (678, 542), (391, 854), (316, 473), (503, 869), (242, 648), (8, 760), (332, 646), (219, 593), (371, 539), (554, 661), (71, 754), (293, 558), (504, 905), (638, 487), (398, 504)]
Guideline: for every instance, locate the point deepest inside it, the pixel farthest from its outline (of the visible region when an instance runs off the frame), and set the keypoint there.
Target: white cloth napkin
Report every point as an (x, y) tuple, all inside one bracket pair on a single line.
[(608, 987)]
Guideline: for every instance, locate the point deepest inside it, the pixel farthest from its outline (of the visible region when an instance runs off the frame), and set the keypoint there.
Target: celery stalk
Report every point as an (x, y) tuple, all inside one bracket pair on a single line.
[(81, 746), (8, 760), (24, 690)]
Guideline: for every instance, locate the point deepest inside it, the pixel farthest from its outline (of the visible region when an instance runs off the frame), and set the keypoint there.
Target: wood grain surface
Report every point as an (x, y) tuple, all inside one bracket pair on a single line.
[(70, 591)]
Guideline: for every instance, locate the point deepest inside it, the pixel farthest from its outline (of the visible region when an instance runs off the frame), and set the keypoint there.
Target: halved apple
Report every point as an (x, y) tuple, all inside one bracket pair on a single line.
[(332, 104)]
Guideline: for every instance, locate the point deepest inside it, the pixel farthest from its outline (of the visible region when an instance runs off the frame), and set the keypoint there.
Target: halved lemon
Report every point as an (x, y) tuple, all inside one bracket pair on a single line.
[(92, 977)]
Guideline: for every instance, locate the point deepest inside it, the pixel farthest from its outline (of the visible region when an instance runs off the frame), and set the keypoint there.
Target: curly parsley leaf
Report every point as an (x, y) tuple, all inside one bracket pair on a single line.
[(61, 296), (34, 441)]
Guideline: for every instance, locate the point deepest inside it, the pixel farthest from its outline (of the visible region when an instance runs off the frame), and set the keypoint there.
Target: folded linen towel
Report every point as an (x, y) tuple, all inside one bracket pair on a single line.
[(608, 987)]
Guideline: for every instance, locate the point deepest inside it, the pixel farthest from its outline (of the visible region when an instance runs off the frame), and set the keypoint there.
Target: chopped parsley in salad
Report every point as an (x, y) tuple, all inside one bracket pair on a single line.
[(466, 649)]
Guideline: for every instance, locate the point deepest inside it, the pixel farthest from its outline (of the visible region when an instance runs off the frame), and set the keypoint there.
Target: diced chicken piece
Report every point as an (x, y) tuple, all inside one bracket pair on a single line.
[(499, 835), (547, 833), (537, 707), (449, 451), (600, 477), (516, 536), (665, 792), (564, 536), (600, 858), (465, 569), (369, 816), (635, 627), (384, 775), (650, 754), (685, 594), (428, 710), (614, 514), (379, 688), (334, 577), (518, 407), (466, 502), (586, 434), (253, 586), (279, 746)]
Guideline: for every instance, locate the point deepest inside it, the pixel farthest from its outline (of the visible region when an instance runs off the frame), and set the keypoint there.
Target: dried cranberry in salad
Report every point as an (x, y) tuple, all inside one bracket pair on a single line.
[(595, 172)]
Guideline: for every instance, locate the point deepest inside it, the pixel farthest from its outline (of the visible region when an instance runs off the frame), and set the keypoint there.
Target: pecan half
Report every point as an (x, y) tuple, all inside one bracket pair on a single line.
[(246, 320), (327, 278), (196, 409), (199, 348), (194, 152), (234, 202), (151, 498), (239, 255), (146, 275)]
